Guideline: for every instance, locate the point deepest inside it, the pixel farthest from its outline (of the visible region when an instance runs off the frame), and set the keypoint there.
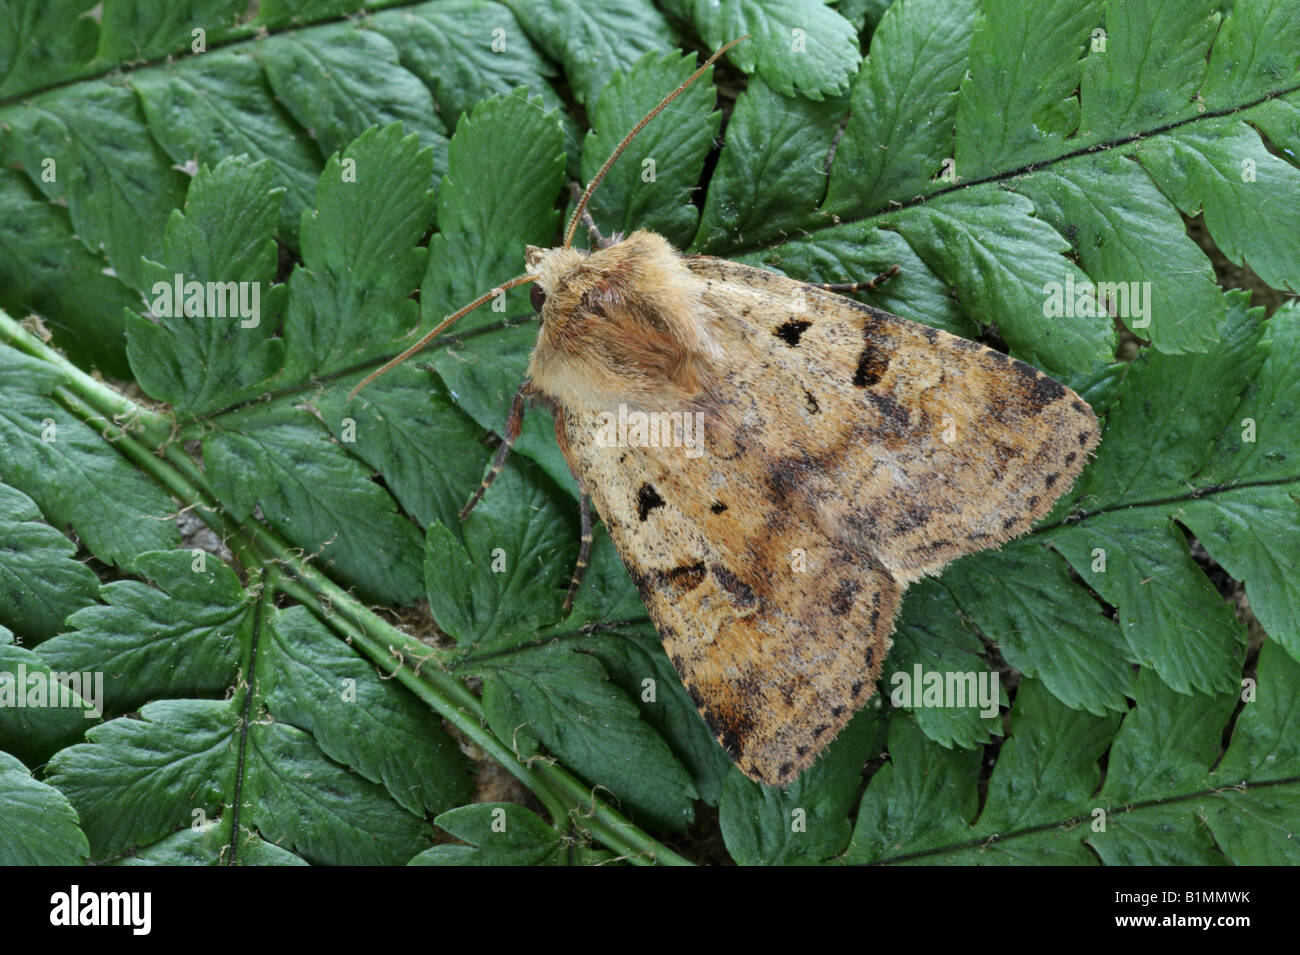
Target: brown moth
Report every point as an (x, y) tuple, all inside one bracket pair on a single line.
[(846, 452)]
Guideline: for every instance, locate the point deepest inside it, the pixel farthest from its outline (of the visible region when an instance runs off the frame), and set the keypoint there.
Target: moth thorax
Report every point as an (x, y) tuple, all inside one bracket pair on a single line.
[(624, 324)]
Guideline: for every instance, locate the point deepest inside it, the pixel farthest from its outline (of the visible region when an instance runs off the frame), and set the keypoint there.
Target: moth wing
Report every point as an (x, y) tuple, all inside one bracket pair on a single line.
[(778, 634), (845, 452), (912, 445)]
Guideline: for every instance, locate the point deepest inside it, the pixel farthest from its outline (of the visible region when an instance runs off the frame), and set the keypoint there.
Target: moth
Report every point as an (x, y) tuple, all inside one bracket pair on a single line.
[(845, 452)]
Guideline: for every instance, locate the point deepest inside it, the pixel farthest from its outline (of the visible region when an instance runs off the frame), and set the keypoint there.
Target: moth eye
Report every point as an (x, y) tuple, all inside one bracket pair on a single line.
[(536, 296)]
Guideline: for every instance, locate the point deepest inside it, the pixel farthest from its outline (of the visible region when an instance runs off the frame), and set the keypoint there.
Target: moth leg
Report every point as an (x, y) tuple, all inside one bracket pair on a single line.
[(584, 551), (514, 422), (593, 231), (844, 288)]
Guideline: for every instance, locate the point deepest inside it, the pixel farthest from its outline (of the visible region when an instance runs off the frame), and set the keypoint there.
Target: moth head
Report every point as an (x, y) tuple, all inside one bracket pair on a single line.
[(626, 323), (549, 266)]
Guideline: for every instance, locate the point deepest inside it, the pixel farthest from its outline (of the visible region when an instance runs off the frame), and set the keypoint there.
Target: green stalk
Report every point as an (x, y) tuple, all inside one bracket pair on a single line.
[(126, 414)]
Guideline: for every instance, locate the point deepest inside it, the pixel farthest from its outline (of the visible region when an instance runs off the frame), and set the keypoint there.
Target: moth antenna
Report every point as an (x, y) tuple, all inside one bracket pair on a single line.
[(627, 140), (450, 319)]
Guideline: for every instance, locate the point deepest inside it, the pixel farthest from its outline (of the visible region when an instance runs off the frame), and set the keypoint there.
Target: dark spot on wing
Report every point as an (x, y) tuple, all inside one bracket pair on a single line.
[(785, 769), (820, 730), (931, 334), (1069, 458), (786, 474), (813, 406), (913, 516), (1083, 438), (791, 331), (1050, 480), (743, 593), (894, 414), (718, 507), (872, 363), (647, 499), (683, 578), (842, 598)]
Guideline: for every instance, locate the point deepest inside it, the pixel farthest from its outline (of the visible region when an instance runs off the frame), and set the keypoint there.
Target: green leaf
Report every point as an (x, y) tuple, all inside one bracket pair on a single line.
[(466, 51), (796, 46), (350, 299), (509, 576), (922, 799), (1011, 251), (178, 638), (930, 634), (1121, 229), (1251, 54), (210, 107), (210, 845), (1124, 86), (41, 710), (562, 698), (859, 252), (318, 496), (71, 472), (651, 185), (175, 765), (1217, 169), (312, 681), (40, 259), (407, 427), (40, 581), (339, 81), (769, 178), (807, 821), (325, 813), (38, 826), (632, 656), (505, 168), (164, 765), (44, 43), (1044, 626), (903, 105), (497, 834), (148, 30), (118, 185), (1017, 104), (206, 345), (593, 39)]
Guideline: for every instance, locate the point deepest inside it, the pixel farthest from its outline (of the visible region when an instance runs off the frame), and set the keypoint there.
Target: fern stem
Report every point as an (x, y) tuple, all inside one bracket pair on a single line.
[(127, 414)]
